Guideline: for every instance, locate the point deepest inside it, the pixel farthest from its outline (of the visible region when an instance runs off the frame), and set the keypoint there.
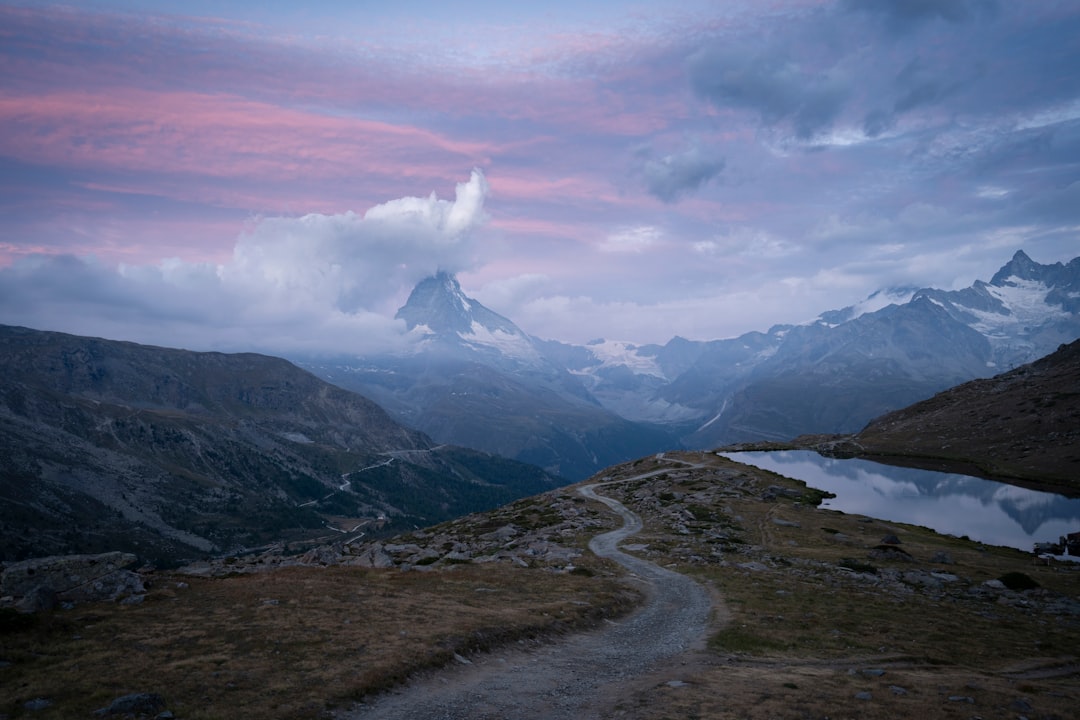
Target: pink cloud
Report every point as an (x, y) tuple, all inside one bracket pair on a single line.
[(215, 135), (583, 84), (126, 239)]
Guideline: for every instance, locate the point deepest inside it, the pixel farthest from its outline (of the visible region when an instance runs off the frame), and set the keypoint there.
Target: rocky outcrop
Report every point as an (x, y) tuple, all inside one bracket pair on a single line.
[(490, 538), (41, 583)]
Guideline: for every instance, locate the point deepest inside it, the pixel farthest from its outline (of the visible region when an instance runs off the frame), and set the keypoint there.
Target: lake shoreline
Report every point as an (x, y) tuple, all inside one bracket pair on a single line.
[(950, 503)]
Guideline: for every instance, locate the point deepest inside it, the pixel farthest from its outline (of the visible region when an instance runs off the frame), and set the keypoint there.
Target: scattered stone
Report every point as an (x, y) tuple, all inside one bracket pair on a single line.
[(889, 553), (897, 690), (461, 659), (374, 556), (676, 683), (872, 673), (1021, 705), (942, 558), (774, 491), (753, 565), (785, 523), (135, 703), (322, 555), (962, 698), (925, 579), (864, 695), (945, 577), (890, 540), (503, 534), (71, 579), (37, 704)]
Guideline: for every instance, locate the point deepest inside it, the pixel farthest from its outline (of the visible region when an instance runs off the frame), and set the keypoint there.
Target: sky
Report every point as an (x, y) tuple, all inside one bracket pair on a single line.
[(277, 176)]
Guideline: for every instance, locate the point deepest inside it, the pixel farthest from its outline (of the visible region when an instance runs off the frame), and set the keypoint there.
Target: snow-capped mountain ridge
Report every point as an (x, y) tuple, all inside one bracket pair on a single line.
[(921, 340)]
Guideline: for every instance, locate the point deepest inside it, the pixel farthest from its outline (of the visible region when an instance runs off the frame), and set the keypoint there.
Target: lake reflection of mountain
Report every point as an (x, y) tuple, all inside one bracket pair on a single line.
[(984, 510)]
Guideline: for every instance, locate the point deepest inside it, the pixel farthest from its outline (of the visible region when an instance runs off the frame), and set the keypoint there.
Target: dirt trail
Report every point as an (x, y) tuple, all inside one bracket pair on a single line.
[(582, 677)]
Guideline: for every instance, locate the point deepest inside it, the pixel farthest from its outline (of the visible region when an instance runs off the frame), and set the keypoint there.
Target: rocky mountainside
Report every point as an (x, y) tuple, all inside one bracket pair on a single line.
[(474, 378), (1024, 424), (171, 454), (841, 370)]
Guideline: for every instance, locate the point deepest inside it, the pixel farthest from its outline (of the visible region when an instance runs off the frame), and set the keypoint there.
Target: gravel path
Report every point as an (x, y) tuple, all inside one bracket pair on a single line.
[(580, 678)]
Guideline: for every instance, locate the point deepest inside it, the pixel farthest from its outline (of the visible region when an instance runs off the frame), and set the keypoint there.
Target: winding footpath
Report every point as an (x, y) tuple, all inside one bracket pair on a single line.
[(580, 678)]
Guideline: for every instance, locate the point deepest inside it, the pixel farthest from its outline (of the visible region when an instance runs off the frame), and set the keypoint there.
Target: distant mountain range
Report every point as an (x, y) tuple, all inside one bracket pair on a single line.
[(173, 454), (474, 378)]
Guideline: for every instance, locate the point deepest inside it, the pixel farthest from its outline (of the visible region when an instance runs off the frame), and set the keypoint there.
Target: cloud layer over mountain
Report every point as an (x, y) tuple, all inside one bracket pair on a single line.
[(316, 282)]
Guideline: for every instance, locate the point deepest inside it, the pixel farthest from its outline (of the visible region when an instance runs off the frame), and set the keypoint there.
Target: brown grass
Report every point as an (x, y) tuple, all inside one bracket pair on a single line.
[(287, 643), (800, 634)]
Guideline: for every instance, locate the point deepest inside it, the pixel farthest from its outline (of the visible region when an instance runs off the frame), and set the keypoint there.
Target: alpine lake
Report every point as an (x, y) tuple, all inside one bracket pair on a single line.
[(989, 512)]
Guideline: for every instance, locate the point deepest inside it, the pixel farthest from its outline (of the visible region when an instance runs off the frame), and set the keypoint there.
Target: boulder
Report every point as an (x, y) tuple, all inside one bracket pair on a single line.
[(133, 704), (71, 578), (374, 556)]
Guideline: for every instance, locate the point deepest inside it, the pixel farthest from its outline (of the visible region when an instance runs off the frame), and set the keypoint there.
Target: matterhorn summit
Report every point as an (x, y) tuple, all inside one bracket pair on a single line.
[(439, 314)]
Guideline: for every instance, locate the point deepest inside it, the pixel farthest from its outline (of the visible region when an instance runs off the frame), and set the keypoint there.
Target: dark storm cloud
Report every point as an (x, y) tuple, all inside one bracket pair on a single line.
[(673, 176), (903, 15), (772, 84)]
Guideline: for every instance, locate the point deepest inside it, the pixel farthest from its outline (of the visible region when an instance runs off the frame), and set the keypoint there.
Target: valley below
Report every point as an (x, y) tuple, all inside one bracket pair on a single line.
[(814, 614)]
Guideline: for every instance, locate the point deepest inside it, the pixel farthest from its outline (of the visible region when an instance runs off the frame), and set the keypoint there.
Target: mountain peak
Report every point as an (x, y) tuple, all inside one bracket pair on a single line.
[(438, 303), (1021, 266), (438, 306)]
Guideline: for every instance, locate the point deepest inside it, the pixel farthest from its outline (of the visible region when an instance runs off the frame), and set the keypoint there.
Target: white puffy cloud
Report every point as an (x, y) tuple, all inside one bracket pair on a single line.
[(317, 283)]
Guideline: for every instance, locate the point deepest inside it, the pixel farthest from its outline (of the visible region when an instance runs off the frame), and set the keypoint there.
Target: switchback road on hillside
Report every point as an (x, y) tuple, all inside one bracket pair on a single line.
[(580, 678)]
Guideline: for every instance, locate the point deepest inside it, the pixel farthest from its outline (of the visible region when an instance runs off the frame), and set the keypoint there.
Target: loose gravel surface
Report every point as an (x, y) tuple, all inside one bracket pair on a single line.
[(582, 677)]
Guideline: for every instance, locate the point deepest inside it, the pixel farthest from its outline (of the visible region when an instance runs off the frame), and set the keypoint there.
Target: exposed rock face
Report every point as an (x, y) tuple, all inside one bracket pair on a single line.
[(40, 582)]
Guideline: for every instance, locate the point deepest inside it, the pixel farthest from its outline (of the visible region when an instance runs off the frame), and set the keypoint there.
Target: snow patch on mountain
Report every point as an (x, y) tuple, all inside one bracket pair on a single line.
[(509, 344), (877, 301), (1025, 304), (614, 353)]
